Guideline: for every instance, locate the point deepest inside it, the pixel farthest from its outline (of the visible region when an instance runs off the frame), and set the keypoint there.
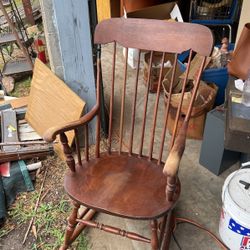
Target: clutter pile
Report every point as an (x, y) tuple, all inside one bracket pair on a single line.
[(221, 56), (19, 142), (23, 122)]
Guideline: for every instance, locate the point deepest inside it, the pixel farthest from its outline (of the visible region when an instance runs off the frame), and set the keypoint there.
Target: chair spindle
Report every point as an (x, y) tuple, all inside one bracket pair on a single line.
[(134, 105), (154, 237), (167, 107), (67, 152), (77, 144), (86, 141), (111, 100), (123, 101), (196, 86), (146, 103), (178, 112), (156, 108), (98, 118)]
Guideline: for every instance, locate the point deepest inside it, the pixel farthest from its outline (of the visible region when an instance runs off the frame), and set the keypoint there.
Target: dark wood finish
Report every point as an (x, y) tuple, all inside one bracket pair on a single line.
[(114, 230), (178, 37), (120, 182), (134, 105), (71, 226), (68, 152), (180, 102), (121, 176), (167, 110), (156, 109), (98, 119), (87, 215), (167, 230), (123, 102), (111, 100), (86, 144), (154, 238), (77, 144), (146, 104)]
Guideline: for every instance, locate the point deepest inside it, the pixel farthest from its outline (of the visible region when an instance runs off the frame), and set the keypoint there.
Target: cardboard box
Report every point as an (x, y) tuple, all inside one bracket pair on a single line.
[(156, 68), (164, 11)]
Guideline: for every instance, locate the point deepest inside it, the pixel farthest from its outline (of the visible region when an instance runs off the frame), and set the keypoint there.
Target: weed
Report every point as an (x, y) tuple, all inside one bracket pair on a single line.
[(22, 88), (49, 219)]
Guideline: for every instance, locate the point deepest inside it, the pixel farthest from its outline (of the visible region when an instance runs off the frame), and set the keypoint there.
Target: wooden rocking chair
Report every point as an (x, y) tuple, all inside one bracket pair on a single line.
[(120, 182)]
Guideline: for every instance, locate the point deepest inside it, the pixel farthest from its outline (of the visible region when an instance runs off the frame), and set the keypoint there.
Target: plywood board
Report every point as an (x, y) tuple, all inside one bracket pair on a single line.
[(51, 102), (103, 9), (19, 102), (107, 9)]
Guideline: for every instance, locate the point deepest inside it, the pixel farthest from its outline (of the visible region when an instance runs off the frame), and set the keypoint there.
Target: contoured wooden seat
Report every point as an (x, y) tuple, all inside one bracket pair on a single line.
[(113, 184), (129, 183)]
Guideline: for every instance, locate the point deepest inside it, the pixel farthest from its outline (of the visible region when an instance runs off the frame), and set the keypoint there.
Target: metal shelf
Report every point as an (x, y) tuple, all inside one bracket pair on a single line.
[(8, 38), (16, 67)]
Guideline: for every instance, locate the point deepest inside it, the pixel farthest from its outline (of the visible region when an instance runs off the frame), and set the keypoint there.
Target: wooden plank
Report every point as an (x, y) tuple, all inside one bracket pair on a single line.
[(29, 136), (103, 9), (51, 102), (25, 128), (107, 9), (19, 102), (9, 129)]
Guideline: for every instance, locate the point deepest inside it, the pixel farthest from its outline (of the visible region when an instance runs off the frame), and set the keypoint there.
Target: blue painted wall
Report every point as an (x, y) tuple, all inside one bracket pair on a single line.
[(72, 24)]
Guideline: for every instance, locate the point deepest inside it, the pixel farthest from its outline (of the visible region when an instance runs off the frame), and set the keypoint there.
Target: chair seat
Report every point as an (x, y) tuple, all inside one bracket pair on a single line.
[(138, 182)]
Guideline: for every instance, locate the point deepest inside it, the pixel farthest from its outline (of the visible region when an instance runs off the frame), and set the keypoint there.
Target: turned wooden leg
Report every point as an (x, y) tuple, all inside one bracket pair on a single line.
[(154, 235), (70, 227), (162, 229), (168, 231)]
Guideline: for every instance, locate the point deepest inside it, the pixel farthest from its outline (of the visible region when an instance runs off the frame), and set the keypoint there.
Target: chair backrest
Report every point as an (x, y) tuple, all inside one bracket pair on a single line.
[(150, 35)]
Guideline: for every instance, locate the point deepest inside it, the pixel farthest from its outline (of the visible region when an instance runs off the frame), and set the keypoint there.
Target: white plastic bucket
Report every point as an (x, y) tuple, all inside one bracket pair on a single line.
[(234, 225)]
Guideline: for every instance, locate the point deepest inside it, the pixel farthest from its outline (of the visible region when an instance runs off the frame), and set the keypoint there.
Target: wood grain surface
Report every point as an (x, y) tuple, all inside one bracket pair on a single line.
[(51, 102)]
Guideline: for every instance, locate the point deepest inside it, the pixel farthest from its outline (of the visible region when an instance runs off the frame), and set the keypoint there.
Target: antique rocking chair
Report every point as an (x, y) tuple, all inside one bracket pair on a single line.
[(120, 182)]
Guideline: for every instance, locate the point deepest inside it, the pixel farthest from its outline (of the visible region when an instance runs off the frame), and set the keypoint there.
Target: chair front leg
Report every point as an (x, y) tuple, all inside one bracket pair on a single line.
[(71, 226), (154, 235)]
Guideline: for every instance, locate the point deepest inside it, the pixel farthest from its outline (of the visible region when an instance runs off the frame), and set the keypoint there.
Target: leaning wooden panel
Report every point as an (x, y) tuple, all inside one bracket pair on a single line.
[(51, 102)]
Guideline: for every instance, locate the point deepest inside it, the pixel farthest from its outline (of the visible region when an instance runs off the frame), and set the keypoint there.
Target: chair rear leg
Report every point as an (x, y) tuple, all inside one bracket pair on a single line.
[(168, 229), (154, 235), (71, 226)]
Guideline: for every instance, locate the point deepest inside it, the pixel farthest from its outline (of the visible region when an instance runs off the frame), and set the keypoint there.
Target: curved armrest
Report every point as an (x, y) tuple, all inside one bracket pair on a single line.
[(51, 133), (173, 161)]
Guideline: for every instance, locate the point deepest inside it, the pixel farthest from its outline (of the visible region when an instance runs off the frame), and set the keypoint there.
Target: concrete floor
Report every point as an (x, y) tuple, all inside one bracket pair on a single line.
[(201, 190)]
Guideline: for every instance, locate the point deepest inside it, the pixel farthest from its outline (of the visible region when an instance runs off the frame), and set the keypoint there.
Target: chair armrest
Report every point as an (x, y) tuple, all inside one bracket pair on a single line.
[(51, 133), (173, 161)]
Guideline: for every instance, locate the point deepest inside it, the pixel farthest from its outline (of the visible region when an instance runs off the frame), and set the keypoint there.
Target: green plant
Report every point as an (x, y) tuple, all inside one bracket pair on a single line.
[(22, 88), (49, 219)]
